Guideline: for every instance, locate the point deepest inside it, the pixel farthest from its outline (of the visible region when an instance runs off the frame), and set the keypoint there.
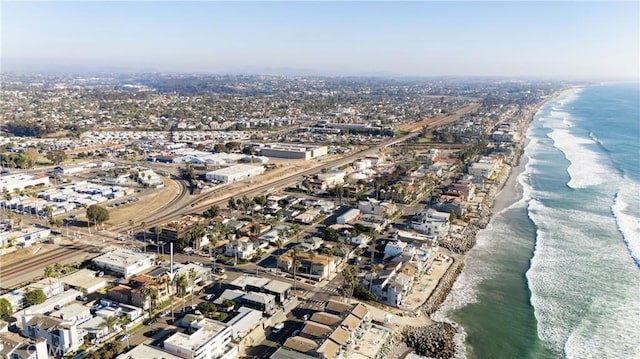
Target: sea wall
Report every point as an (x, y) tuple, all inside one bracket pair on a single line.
[(443, 288), (433, 341)]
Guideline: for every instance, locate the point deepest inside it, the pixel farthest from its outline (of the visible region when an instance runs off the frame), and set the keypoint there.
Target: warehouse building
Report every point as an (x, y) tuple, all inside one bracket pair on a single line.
[(293, 151), (234, 173)]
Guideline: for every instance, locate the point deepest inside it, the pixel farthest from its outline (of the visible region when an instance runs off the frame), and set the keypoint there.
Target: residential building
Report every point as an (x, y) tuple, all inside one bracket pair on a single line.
[(210, 340), (60, 335), (50, 286), (349, 216), (13, 346), (378, 208), (260, 301), (144, 351), (431, 222), (240, 248), (315, 266)]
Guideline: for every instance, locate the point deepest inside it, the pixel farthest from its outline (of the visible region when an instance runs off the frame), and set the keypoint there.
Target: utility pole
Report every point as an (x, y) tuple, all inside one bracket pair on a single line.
[(171, 276)]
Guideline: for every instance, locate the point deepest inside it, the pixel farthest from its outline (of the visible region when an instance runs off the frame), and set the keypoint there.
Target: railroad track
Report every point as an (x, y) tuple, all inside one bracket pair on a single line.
[(9, 272)]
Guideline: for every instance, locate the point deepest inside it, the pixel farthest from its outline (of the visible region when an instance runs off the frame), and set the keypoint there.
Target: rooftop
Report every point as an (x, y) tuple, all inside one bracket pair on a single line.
[(144, 351), (207, 329), (300, 344), (316, 329), (277, 286), (244, 280), (124, 257)]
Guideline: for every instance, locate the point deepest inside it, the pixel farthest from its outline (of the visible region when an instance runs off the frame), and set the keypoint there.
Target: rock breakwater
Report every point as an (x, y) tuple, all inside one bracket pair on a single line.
[(434, 341)]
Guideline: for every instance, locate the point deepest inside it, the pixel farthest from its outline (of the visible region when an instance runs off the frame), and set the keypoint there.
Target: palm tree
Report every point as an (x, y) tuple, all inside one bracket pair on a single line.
[(296, 263), (150, 293), (295, 230), (373, 272), (339, 192), (279, 243), (110, 322), (49, 271), (131, 231), (312, 255), (124, 321), (192, 279), (143, 225), (158, 230)]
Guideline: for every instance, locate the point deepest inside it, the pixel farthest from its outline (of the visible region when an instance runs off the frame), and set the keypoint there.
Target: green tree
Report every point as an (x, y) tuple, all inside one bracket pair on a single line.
[(56, 156), (35, 296), (232, 204), (97, 214), (5, 309)]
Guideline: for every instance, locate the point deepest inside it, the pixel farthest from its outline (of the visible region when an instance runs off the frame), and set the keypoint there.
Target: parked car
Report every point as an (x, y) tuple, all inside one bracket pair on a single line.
[(305, 317), (58, 306), (219, 270), (277, 328), (150, 321), (82, 298), (295, 332), (124, 337), (208, 297)]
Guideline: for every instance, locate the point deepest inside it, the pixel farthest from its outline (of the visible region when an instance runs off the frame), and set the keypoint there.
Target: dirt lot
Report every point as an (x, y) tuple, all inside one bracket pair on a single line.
[(146, 204)]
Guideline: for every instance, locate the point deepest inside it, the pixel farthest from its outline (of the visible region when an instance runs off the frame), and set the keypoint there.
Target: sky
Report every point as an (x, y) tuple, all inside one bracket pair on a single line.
[(510, 39)]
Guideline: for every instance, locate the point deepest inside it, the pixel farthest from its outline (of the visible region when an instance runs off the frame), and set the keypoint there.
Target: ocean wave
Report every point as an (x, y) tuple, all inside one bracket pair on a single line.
[(587, 167), (570, 282), (628, 224)]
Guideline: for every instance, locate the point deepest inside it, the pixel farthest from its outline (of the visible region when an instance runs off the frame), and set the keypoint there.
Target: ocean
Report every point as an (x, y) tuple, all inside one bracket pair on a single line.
[(556, 274)]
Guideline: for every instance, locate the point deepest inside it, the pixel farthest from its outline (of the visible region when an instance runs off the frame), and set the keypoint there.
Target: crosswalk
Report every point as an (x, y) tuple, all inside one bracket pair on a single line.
[(333, 290)]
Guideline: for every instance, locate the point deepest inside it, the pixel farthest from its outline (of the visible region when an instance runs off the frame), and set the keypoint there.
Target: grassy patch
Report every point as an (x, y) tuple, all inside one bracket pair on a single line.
[(400, 133)]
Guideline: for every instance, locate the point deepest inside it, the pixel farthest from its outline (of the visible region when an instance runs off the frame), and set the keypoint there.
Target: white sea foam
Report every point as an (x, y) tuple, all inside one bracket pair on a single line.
[(576, 302), (628, 222), (587, 168)]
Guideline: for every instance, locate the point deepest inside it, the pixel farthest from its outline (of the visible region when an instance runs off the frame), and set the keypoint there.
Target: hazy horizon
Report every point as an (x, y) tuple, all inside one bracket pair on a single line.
[(416, 39)]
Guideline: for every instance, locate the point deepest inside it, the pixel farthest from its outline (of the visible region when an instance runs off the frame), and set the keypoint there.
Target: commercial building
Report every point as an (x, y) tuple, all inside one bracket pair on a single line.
[(292, 151), (125, 262), (210, 339), (20, 181), (85, 281), (234, 173)]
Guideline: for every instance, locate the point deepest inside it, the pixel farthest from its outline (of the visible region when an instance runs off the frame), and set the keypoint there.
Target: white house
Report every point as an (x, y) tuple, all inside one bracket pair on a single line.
[(241, 248), (431, 222), (210, 339)]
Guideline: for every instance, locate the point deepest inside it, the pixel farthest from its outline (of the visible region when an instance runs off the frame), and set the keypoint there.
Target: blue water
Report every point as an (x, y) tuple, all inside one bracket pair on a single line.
[(557, 273)]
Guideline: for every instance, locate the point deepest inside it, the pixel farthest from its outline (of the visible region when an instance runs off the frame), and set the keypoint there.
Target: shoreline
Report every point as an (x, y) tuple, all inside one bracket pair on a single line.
[(502, 194)]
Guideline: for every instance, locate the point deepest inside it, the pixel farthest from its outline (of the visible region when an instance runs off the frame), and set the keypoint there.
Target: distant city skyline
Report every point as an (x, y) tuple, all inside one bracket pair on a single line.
[(508, 39)]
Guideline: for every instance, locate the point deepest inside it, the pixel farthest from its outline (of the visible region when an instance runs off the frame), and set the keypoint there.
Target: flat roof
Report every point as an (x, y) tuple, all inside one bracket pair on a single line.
[(144, 351), (207, 329), (232, 170), (277, 286), (70, 311), (259, 297), (124, 258), (244, 280), (84, 278)]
